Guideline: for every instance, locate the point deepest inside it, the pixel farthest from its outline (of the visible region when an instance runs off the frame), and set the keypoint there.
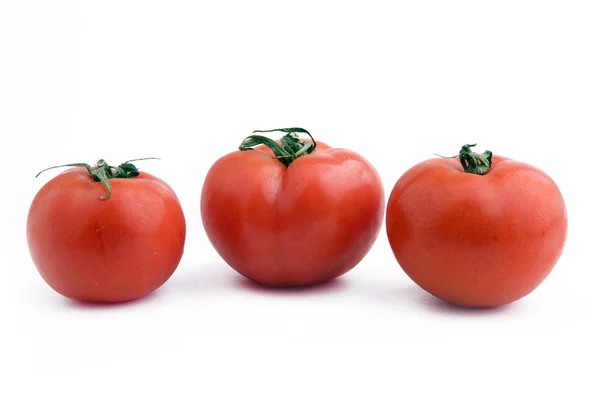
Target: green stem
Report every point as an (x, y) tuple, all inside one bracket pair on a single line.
[(474, 163), (103, 172), (291, 146)]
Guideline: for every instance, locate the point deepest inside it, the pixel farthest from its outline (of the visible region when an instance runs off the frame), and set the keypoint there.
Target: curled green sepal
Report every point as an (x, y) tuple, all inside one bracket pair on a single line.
[(291, 146), (103, 172), (474, 163)]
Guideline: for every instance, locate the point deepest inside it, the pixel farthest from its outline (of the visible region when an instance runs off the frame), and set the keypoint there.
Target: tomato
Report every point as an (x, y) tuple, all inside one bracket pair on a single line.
[(105, 234), (480, 231), (294, 212)]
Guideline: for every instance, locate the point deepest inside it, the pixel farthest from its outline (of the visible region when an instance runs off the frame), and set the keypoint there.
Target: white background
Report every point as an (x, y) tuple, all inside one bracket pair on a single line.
[(395, 81)]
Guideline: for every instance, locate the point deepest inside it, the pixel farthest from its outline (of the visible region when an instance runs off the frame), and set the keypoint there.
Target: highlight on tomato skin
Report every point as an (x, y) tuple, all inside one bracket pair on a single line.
[(476, 230), (105, 234), (293, 212)]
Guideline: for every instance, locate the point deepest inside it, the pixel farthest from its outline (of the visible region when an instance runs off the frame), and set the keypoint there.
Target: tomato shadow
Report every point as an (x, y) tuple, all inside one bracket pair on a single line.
[(89, 305), (428, 302), (328, 287)]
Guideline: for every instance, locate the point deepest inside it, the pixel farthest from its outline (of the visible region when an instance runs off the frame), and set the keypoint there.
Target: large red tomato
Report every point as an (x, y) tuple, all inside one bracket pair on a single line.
[(292, 216), (479, 231), (105, 234)]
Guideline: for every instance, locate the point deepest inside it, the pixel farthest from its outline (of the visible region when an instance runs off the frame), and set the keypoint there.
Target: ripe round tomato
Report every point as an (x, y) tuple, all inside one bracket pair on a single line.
[(480, 231), (292, 216), (105, 234)]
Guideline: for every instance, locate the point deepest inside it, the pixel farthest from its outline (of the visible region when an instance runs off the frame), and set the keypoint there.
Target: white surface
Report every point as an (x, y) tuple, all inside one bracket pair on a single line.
[(395, 81)]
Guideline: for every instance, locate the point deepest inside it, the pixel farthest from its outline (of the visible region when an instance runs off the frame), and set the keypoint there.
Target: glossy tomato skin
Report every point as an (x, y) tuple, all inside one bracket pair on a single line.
[(113, 250), (476, 240), (301, 225)]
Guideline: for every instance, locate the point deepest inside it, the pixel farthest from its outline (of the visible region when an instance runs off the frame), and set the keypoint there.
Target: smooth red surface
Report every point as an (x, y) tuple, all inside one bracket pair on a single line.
[(476, 241), (117, 249), (301, 225)]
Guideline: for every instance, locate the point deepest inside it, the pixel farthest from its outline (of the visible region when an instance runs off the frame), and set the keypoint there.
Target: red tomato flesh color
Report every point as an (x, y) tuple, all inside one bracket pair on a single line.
[(476, 240), (117, 249)]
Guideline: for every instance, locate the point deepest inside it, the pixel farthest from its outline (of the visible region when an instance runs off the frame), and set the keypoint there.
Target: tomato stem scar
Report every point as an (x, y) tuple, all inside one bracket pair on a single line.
[(473, 163), (291, 146), (103, 172)]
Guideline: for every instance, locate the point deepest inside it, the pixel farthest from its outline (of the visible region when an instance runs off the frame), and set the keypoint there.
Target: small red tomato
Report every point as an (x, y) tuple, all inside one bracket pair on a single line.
[(480, 231), (293, 212), (105, 234)]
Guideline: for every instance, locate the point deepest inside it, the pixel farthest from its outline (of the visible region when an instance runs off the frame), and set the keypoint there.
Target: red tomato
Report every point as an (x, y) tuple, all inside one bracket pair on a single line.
[(117, 248), (303, 218), (483, 234)]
